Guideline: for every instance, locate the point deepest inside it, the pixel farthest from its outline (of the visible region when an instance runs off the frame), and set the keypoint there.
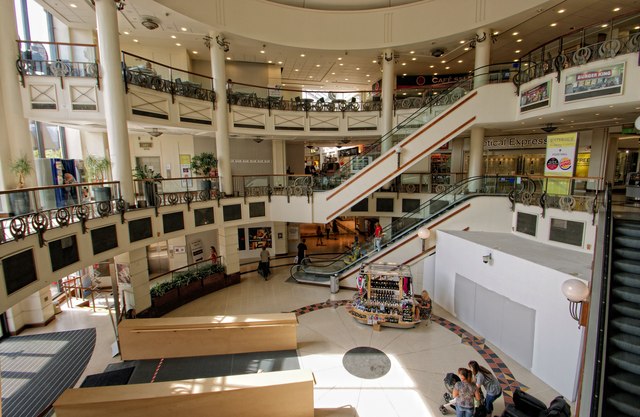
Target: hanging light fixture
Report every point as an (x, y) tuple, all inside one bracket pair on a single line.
[(155, 132)]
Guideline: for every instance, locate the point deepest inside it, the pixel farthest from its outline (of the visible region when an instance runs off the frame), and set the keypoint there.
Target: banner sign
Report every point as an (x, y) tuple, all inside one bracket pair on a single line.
[(535, 97), (599, 82), (561, 154)]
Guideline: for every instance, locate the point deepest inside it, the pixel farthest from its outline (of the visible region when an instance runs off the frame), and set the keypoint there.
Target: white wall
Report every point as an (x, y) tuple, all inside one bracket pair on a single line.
[(557, 338)]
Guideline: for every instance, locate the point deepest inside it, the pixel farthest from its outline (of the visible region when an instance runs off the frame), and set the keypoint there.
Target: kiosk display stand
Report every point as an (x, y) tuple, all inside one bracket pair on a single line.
[(385, 296)]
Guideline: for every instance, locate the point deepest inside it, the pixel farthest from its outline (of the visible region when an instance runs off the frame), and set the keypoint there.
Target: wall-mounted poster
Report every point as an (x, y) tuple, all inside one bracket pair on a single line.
[(259, 236), (185, 171), (560, 161), (535, 97), (598, 82)]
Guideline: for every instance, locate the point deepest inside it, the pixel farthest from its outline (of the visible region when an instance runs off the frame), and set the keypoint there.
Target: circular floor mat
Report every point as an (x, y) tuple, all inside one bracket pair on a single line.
[(366, 362)]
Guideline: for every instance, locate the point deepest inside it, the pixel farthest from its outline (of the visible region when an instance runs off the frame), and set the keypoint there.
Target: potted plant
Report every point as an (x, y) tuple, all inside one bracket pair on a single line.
[(19, 201), (97, 168), (205, 164), (164, 294), (150, 184)]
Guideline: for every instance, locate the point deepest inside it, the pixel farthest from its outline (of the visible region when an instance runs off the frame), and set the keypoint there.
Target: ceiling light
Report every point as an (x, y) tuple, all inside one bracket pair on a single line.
[(519, 40), (150, 23), (374, 61), (637, 27), (135, 40), (367, 75), (173, 36), (462, 41), (516, 60), (280, 62), (346, 79), (447, 67), (228, 58), (311, 76), (617, 9), (459, 61), (515, 33), (404, 63), (414, 58), (412, 52), (269, 62), (183, 29), (155, 132), (302, 55), (435, 73), (466, 49), (341, 64), (561, 11), (495, 33), (431, 66), (443, 61), (333, 73), (404, 75), (357, 68), (404, 94), (73, 5), (296, 70), (517, 51), (178, 44), (553, 25), (318, 66), (195, 52), (340, 59), (604, 26), (262, 51), (368, 81), (125, 32)]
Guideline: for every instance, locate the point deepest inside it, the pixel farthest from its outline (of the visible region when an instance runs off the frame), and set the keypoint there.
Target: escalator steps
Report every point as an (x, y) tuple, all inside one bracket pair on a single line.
[(627, 361), (627, 294), (627, 229), (627, 325), (627, 242), (631, 310), (629, 280), (627, 265), (626, 342), (626, 253), (626, 382), (626, 403)]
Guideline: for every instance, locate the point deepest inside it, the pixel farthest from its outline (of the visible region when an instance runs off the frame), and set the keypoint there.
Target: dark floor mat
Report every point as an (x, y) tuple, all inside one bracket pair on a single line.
[(105, 379)]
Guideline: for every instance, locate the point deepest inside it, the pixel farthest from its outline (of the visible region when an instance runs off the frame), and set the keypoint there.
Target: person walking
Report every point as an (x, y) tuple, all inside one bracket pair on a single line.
[(377, 240), (484, 378), (335, 229), (263, 267), (327, 230), (465, 392), (302, 251), (319, 235)]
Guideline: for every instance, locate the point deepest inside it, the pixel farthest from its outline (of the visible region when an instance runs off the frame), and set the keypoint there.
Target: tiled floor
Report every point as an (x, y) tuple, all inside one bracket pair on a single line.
[(420, 357)]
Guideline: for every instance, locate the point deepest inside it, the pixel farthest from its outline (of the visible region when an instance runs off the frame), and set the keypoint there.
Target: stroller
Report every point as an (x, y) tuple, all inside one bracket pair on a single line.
[(450, 381)]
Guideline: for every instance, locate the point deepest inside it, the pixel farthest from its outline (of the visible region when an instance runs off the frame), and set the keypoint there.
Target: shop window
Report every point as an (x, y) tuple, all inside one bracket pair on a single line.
[(232, 212), (140, 229), (104, 239), (172, 222), (203, 216), (63, 252), (384, 205), (257, 209), (566, 231), (362, 205), (526, 223)]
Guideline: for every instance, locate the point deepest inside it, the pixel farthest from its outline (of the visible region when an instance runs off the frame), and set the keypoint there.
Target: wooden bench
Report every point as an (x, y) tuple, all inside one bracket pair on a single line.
[(281, 394), (202, 336)]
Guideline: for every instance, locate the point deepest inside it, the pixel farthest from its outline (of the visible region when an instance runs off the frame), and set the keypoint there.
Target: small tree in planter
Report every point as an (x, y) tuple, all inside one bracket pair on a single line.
[(20, 200), (150, 184), (97, 168), (205, 164)]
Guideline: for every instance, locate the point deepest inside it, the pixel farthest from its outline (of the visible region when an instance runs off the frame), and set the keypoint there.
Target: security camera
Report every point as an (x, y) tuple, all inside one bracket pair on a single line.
[(486, 258)]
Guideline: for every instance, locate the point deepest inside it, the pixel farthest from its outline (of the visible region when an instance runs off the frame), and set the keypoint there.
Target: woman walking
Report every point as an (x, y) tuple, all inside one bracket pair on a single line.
[(465, 392), (484, 378)]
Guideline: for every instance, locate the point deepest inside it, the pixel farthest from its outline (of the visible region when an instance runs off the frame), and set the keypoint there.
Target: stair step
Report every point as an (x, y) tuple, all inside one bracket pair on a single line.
[(627, 265), (626, 382), (626, 342), (627, 361), (627, 325), (626, 253), (630, 280), (627, 294), (625, 403), (627, 242), (628, 229), (627, 309)]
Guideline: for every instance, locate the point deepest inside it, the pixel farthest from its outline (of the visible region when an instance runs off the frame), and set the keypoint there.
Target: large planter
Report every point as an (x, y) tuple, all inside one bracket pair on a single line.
[(190, 291), (167, 301), (213, 282), (232, 279), (102, 193), (20, 203)]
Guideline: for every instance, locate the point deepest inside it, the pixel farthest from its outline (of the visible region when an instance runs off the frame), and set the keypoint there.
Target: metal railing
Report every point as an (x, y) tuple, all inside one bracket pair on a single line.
[(57, 59), (599, 42), (268, 185), (158, 192), (146, 73)]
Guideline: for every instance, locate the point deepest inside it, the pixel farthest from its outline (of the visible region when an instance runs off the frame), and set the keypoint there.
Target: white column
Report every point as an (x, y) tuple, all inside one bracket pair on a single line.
[(457, 159), (113, 93), (228, 248), (279, 159), (222, 113), (483, 57), (598, 157), (14, 133), (137, 295), (476, 150), (388, 90)]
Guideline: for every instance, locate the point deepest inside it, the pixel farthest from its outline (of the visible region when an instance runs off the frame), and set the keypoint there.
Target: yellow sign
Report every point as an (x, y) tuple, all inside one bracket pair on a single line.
[(560, 161), (582, 164), (185, 159)]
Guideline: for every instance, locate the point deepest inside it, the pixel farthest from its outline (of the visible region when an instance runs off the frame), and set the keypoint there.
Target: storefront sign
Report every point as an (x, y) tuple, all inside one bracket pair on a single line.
[(515, 142), (536, 97), (561, 154), (348, 152), (598, 82), (185, 170)]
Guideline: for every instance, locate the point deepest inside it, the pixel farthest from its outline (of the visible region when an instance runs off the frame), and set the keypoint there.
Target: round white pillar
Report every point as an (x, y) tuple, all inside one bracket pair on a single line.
[(15, 135), (222, 113), (113, 95), (388, 91), (476, 152), (482, 57)]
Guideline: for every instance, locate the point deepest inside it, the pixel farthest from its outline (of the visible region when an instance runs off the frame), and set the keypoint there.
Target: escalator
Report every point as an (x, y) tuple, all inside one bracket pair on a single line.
[(407, 225)]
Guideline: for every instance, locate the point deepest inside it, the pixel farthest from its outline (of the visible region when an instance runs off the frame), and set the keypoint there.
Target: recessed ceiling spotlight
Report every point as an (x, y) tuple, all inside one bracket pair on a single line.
[(195, 52), (340, 59), (302, 55), (341, 64), (517, 51), (553, 24), (404, 63), (414, 58), (447, 67), (368, 81), (311, 76), (280, 62), (516, 60), (269, 62), (228, 58), (374, 61), (459, 61), (333, 73), (262, 51), (135, 40), (317, 65), (357, 68), (617, 9), (443, 61), (496, 33), (462, 41), (346, 79), (466, 49), (519, 40), (178, 44), (431, 66), (367, 75), (404, 75), (183, 29), (296, 70), (515, 33), (412, 52), (73, 5), (435, 73), (561, 11), (636, 27), (125, 32), (404, 94), (173, 36), (604, 25)]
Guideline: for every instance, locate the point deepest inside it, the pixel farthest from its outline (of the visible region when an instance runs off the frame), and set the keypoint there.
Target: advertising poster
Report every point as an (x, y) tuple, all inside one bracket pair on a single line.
[(259, 236), (185, 171), (594, 83), (535, 97), (560, 161)]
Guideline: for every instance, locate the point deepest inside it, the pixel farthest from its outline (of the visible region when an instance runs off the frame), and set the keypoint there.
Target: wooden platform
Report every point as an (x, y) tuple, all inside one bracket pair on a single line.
[(202, 336), (281, 394)]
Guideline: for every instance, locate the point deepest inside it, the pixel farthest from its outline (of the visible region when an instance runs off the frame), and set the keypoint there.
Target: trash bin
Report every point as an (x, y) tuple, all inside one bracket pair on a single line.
[(334, 284)]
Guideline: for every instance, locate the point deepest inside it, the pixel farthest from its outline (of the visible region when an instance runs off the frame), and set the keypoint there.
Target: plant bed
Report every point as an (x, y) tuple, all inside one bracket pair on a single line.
[(167, 301), (213, 282), (232, 279), (190, 291)]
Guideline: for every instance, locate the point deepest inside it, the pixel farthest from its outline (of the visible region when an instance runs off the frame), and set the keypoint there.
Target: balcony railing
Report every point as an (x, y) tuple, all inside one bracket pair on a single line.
[(150, 74), (56, 59), (595, 43)]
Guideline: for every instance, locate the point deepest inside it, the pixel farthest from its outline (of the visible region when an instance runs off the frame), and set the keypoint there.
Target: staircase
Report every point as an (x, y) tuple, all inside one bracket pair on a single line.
[(621, 393)]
